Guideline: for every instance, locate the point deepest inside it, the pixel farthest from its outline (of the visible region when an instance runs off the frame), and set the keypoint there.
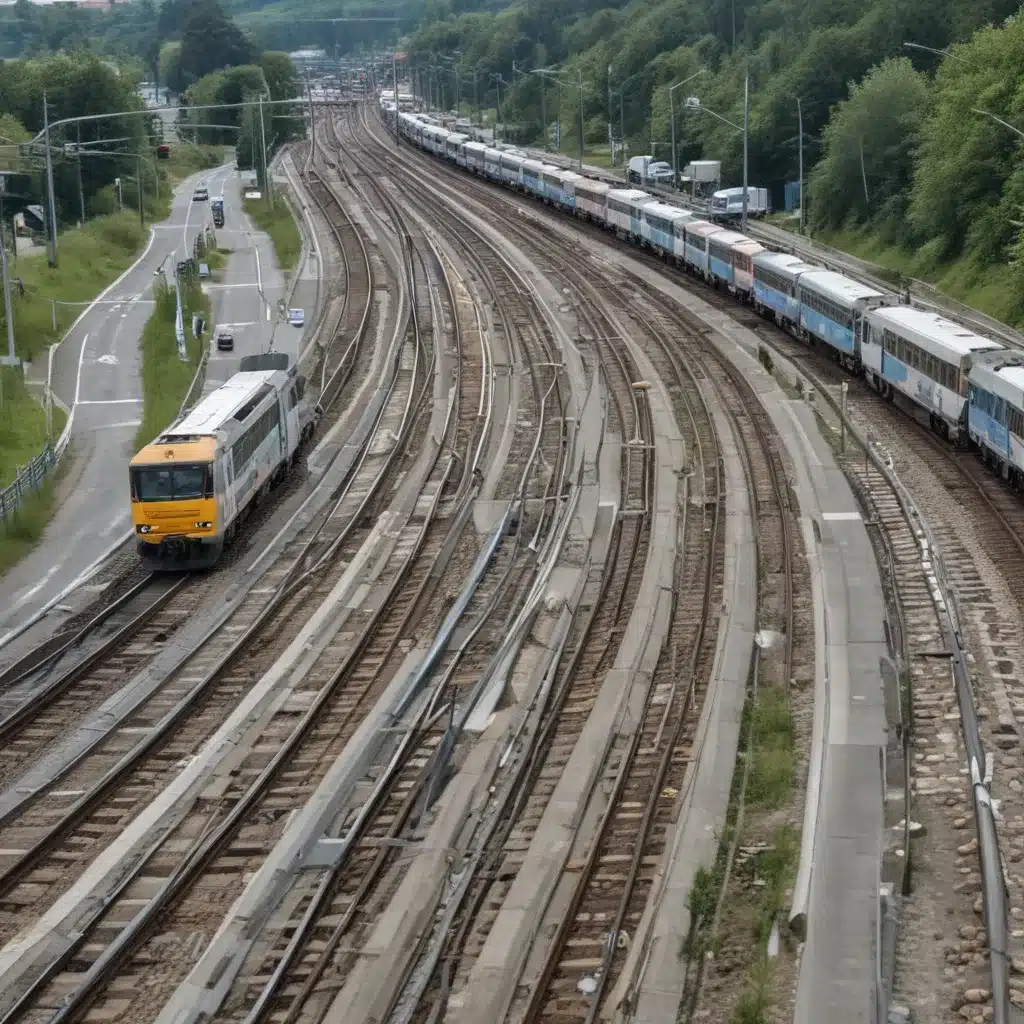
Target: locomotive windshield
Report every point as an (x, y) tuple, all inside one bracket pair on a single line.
[(177, 482)]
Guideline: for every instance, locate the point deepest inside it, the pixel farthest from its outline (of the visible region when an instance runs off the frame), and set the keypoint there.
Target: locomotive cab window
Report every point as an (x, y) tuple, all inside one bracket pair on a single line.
[(179, 482)]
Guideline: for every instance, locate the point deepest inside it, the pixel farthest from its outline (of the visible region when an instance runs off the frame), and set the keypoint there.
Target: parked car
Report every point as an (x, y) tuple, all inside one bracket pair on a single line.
[(225, 341), (296, 317)]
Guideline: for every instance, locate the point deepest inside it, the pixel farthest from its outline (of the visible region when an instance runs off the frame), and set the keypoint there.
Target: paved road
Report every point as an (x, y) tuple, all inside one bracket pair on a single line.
[(96, 371)]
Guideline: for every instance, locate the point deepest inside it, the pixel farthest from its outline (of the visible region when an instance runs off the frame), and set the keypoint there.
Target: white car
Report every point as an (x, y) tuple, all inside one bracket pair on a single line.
[(296, 317), (200, 195)]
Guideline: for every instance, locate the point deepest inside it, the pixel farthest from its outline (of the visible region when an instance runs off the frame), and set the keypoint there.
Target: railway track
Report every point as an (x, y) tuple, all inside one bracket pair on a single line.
[(87, 814), (590, 945)]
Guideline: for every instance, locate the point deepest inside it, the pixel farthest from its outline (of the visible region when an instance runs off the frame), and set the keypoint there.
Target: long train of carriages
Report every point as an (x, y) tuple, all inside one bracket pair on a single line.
[(194, 485), (970, 388)]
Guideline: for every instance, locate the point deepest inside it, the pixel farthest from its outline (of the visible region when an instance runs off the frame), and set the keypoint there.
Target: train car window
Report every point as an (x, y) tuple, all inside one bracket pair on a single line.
[(292, 400), (1015, 421)]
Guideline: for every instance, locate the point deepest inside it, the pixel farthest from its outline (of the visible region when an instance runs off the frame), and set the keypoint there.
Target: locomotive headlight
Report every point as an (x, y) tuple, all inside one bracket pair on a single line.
[(202, 526), (144, 528)]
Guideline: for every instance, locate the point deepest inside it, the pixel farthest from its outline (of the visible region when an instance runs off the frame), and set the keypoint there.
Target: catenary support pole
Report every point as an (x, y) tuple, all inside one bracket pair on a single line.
[(51, 205)]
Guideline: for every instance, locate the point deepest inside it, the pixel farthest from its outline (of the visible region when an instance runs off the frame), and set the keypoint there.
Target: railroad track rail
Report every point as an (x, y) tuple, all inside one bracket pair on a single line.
[(83, 815), (587, 952)]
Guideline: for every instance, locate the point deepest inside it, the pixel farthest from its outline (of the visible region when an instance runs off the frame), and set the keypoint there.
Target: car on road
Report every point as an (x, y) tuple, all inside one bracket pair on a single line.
[(225, 341), (201, 194), (296, 317)]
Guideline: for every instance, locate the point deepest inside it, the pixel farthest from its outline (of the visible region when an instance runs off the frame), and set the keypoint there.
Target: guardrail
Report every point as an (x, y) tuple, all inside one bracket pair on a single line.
[(28, 481)]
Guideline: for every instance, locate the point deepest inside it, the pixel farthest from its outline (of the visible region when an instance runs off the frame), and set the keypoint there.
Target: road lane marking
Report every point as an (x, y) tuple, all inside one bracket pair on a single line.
[(120, 423), (110, 401)]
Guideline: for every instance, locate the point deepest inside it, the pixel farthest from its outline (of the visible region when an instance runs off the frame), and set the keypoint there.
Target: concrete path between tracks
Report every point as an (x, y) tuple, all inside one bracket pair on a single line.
[(843, 840)]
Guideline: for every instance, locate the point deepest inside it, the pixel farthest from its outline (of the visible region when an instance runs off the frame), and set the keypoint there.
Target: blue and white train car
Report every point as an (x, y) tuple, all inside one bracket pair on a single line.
[(623, 207), (551, 179), (492, 163), (775, 278), (924, 357), (695, 244), (996, 411), (452, 146), (434, 138), (661, 228), (832, 309), (475, 154), (568, 181), (511, 168), (532, 177), (720, 244), (591, 199)]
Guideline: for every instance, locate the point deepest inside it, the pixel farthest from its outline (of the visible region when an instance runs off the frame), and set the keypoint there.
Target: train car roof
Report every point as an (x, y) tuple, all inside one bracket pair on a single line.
[(730, 238), (667, 211), (593, 185), (476, 145), (533, 165), (703, 228), (629, 195), (201, 450), (218, 408), (934, 333), (777, 260), (458, 137), (836, 286), (1001, 372)]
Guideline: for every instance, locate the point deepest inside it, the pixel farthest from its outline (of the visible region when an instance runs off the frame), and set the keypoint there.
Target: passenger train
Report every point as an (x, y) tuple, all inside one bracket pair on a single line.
[(194, 485), (970, 388)]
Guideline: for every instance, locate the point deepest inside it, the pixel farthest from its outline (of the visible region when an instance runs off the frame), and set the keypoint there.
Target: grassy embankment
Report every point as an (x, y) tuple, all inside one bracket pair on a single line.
[(165, 377), (90, 258), (280, 225)]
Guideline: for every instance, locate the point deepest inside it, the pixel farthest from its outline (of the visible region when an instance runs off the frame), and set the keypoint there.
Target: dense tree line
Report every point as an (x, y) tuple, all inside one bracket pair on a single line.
[(890, 141), (190, 46)]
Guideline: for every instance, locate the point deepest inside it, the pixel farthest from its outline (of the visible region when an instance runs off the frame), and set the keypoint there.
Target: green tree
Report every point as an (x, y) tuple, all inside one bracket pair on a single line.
[(210, 41), (968, 185), (881, 120)]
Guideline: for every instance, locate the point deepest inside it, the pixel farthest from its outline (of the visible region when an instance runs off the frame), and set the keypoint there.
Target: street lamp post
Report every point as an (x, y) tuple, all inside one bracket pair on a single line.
[(611, 147), (672, 109), (51, 205), (746, 135), (998, 120), (800, 129), (580, 70), (695, 103)]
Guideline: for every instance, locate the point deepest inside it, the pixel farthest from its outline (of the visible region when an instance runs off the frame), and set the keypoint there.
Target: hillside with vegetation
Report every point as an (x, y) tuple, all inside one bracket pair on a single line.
[(898, 166)]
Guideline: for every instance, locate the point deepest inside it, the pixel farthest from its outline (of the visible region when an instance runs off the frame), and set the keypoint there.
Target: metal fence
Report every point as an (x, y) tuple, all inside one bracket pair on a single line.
[(28, 481)]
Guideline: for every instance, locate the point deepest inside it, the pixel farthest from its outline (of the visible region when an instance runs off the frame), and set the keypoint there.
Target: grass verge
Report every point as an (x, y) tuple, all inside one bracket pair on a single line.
[(280, 225), (22, 437), (165, 378)]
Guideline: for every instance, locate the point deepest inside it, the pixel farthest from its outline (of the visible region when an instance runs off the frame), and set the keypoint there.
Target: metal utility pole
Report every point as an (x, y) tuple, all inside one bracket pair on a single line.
[(138, 180), (312, 121), (81, 190), (12, 358), (622, 124), (800, 129), (611, 145), (581, 120), (51, 203), (499, 121), (394, 76), (863, 173), (544, 110), (672, 114), (263, 150), (746, 126)]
